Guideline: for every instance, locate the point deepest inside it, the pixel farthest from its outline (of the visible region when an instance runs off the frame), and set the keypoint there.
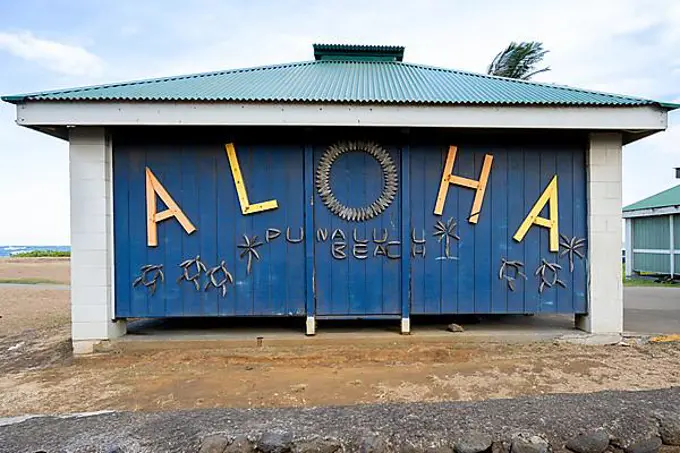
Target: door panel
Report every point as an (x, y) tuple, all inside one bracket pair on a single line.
[(348, 284)]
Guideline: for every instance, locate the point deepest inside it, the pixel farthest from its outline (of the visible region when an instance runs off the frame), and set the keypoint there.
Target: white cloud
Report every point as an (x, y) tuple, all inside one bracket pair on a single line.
[(63, 58)]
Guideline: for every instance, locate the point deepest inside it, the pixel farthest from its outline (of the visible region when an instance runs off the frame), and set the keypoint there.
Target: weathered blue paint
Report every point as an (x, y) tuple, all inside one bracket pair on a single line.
[(310, 300), (353, 286), (469, 283), (197, 176), (294, 279)]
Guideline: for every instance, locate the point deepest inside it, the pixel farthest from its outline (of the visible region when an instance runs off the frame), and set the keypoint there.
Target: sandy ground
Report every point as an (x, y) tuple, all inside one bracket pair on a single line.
[(56, 270), (38, 374)]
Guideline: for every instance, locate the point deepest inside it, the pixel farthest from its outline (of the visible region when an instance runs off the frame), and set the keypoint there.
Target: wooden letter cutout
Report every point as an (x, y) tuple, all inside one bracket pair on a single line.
[(246, 207), (449, 178), (548, 195), (153, 188)]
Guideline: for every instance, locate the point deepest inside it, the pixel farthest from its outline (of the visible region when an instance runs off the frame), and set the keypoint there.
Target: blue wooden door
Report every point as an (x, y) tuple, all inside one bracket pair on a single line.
[(197, 175), (357, 262), (469, 278)]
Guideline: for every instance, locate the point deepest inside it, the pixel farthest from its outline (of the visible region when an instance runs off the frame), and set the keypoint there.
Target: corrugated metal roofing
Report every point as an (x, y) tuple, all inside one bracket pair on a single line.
[(332, 81), (669, 197)]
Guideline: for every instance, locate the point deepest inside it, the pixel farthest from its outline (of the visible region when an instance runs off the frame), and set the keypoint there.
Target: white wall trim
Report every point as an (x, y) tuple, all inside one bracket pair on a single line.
[(653, 251), (667, 210), (634, 119)]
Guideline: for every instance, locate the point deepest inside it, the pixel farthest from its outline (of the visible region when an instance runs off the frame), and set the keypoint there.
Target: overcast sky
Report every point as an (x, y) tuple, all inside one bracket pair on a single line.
[(622, 46)]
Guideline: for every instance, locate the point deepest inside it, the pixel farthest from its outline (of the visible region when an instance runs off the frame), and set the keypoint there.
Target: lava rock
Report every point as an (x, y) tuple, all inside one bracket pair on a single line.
[(214, 444), (275, 442), (240, 444), (669, 428), (373, 444), (649, 445), (500, 447), (318, 445), (410, 448), (528, 443), (474, 442), (453, 327), (589, 442)]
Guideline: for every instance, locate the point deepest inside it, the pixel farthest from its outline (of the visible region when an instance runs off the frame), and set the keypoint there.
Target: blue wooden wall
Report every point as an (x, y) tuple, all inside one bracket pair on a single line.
[(468, 281), (199, 179), (294, 279)]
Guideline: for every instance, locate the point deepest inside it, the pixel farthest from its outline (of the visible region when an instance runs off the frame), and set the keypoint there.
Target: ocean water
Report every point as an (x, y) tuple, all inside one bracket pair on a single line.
[(9, 250)]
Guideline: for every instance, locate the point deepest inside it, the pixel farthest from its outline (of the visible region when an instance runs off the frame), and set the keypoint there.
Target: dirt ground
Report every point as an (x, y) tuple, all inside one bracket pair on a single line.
[(38, 374)]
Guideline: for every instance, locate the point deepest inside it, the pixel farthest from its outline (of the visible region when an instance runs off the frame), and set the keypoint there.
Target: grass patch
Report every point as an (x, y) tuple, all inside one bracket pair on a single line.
[(636, 280), (43, 254), (647, 282), (29, 281)]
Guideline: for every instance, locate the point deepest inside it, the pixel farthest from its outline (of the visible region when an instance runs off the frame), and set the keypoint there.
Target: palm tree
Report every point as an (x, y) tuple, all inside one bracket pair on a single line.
[(519, 61)]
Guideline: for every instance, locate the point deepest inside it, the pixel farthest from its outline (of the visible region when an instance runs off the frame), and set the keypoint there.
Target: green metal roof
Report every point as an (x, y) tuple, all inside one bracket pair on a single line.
[(669, 197), (342, 74)]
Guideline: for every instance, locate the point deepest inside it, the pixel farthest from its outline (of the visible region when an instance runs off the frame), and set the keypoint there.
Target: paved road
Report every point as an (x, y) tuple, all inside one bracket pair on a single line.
[(651, 309)]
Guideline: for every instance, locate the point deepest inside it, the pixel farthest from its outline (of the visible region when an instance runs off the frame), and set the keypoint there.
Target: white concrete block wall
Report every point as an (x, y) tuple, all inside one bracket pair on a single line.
[(605, 290), (90, 157)]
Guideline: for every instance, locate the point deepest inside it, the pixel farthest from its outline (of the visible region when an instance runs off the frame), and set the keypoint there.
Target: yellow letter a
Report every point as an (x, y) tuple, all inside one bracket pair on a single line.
[(549, 195), (153, 188)]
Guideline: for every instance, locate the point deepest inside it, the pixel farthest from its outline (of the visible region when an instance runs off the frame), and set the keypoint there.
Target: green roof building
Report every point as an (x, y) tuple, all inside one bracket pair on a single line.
[(353, 185), (653, 234)]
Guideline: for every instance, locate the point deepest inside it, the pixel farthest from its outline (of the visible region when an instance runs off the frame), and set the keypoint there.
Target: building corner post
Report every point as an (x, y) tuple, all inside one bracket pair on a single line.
[(92, 259), (605, 286)]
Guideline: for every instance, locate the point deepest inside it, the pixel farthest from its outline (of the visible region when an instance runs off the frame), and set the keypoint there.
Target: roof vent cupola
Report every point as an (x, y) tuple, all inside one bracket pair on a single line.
[(350, 52)]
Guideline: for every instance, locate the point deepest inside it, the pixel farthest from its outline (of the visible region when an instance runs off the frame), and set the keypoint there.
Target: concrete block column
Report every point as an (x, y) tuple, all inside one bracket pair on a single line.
[(92, 298), (605, 290)]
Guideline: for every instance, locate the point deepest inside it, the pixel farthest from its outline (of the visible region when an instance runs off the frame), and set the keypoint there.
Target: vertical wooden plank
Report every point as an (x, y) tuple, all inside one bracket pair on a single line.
[(565, 197), (294, 182), (374, 267), (123, 275), (139, 301), (497, 198), (308, 187), (483, 239), (549, 296), (404, 190), (183, 175), (392, 267), (465, 163), (515, 199), (227, 213), (435, 296), (355, 177), (264, 175), (531, 242), (420, 209), (207, 197), (322, 249), (579, 225)]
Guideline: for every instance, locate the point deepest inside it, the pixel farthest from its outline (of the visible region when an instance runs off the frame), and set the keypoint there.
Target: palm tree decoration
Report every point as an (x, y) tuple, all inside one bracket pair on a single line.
[(519, 61)]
